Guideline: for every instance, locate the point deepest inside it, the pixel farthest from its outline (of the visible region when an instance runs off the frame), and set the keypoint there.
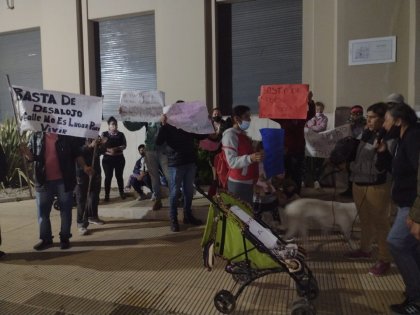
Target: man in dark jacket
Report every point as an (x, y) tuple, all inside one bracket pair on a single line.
[(182, 156), (54, 158), (414, 215)]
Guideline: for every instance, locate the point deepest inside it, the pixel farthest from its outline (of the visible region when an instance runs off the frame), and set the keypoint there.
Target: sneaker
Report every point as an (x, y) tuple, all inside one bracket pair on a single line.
[(2, 254), (190, 219), (317, 185), (64, 243), (380, 268), (82, 231), (174, 226), (43, 244), (157, 205), (96, 221), (127, 189), (357, 254), (153, 197), (405, 308)]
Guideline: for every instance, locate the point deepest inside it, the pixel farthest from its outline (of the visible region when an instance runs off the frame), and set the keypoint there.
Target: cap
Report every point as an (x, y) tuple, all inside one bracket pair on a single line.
[(356, 109), (395, 98)]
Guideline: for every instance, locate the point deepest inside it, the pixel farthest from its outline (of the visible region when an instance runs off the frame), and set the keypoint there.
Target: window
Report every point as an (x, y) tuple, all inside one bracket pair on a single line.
[(127, 56), (259, 42), (20, 58)]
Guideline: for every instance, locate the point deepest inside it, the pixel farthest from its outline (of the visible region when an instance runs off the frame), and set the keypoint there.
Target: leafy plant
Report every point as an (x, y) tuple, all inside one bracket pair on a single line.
[(10, 139), (205, 175)]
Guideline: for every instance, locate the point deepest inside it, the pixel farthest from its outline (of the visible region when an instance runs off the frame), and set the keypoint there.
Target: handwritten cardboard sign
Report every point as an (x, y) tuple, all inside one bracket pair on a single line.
[(284, 101), (58, 112), (189, 116), (141, 106), (320, 144)]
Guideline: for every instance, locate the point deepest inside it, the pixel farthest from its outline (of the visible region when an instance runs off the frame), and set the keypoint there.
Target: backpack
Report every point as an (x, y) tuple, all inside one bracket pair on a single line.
[(344, 151), (222, 169)]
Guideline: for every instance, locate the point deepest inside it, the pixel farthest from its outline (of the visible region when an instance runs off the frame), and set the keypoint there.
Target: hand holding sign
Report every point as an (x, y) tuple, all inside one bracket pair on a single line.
[(189, 116)]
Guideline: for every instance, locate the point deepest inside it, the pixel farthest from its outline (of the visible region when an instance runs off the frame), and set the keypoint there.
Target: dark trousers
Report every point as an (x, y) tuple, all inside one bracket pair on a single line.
[(294, 165), (109, 163), (83, 200), (138, 184)]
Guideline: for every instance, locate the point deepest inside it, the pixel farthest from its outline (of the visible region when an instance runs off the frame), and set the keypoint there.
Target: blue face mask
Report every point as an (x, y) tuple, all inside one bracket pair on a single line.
[(244, 125)]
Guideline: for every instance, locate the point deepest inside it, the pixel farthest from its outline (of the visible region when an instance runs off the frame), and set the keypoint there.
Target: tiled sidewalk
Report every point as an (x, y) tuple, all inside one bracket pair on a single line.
[(137, 266)]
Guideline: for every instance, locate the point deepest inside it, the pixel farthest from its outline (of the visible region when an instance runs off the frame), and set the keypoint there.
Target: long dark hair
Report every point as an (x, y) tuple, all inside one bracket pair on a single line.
[(404, 112)]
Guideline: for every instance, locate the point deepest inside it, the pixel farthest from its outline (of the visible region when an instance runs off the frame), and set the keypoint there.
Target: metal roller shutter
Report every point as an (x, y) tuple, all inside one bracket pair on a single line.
[(265, 48), (20, 58), (127, 53)]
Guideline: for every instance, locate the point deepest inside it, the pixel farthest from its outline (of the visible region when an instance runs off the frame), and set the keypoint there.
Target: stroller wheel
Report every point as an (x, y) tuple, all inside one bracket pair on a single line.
[(302, 307), (308, 288), (225, 302)]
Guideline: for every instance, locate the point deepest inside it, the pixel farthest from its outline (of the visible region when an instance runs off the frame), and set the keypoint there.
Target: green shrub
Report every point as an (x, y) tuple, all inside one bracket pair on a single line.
[(205, 175), (9, 140)]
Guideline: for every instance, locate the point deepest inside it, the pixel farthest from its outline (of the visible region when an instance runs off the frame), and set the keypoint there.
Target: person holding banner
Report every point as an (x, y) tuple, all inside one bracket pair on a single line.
[(113, 158), (88, 196), (155, 158), (54, 158), (240, 155), (182, 156)]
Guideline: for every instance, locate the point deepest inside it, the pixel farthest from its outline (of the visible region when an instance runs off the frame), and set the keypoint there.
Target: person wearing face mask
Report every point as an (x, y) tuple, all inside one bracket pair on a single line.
[(113, 157), (220, 125), (401, 122), (240, 155), (318, 123), (371, 193)]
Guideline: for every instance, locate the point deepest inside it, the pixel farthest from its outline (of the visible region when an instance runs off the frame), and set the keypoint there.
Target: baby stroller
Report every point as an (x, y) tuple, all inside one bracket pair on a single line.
[(252, 250)]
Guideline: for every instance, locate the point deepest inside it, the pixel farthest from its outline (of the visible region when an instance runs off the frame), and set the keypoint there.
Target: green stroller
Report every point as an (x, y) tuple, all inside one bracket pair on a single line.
[(252, 251)]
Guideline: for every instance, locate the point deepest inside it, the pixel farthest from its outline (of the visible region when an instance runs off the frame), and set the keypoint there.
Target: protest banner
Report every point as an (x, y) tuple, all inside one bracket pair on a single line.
[(273, 144), (322, 143), (58, 112), (141, 106), (284, 101), (189, 116)]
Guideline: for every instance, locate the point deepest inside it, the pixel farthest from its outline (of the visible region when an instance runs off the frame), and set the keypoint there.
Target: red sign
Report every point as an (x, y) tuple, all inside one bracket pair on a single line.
[(284, 101)]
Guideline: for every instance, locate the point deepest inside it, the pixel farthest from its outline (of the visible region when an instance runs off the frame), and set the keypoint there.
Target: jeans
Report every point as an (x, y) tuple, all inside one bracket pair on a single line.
[(181, 176), (154, 159), (404, 249), (138, 184), (44, 201)]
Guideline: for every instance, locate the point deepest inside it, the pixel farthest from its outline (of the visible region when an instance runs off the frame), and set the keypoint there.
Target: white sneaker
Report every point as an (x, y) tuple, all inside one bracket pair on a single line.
[(317, 185), (83, 231), (96, 221)]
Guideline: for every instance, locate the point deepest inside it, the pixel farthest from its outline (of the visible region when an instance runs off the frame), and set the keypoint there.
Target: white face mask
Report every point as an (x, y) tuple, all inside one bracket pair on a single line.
[(244, 125)]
